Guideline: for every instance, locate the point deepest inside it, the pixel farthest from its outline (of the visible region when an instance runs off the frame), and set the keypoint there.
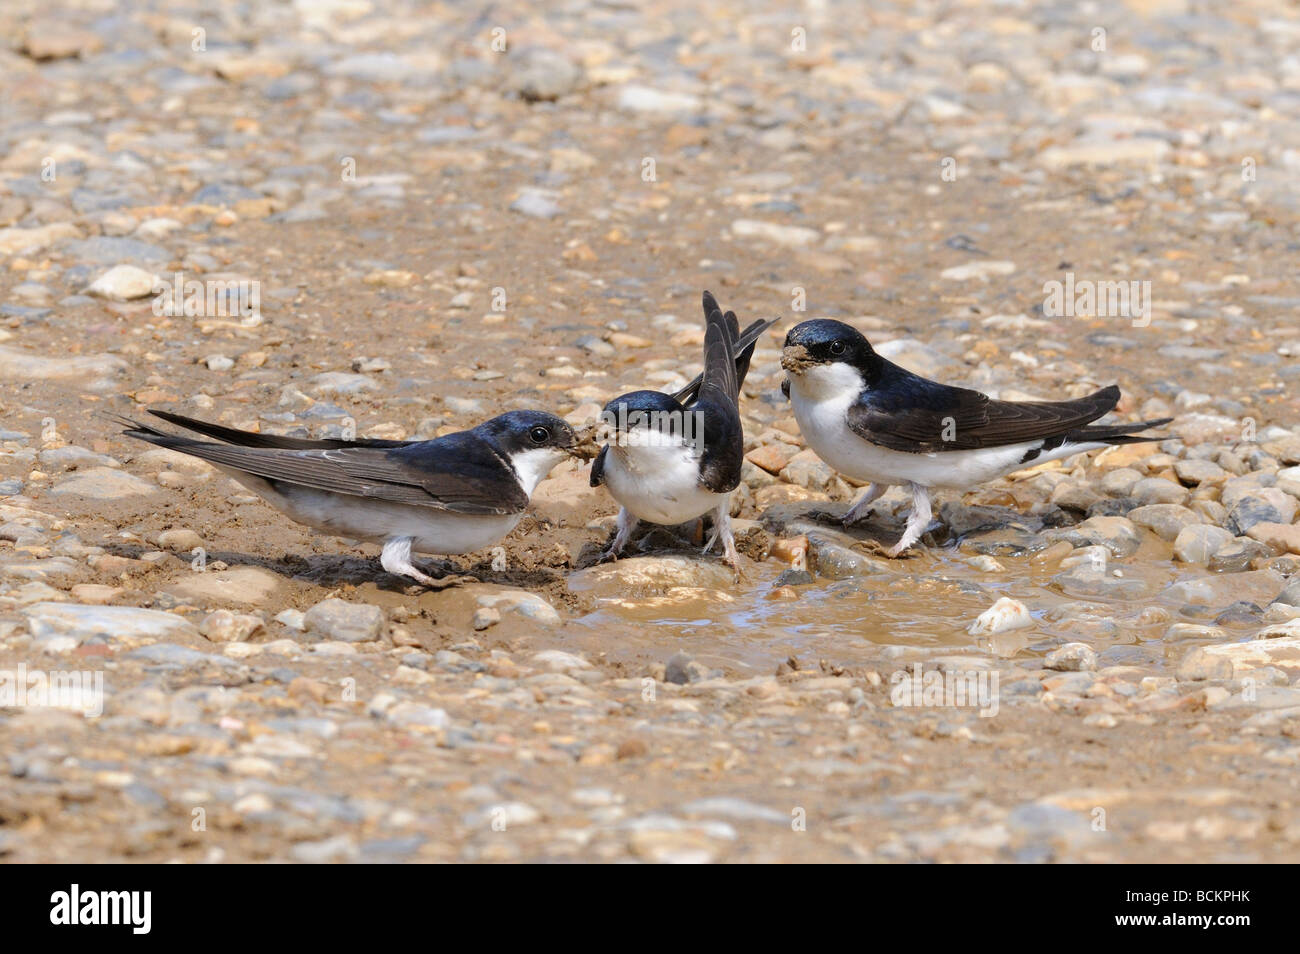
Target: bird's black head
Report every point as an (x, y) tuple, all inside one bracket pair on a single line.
[(643, 412), (825, 341), (517, 431)]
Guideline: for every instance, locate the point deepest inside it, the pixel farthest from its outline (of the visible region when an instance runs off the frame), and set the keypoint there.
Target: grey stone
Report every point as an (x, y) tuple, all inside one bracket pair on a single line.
[(103, 483), (348, 622), (1156, 490), (1267, 505), (1116, 534), (1165, 520), (543, 75), (1072, 657), (682, 669), (111, 250), (70, 624), (1198, 543)]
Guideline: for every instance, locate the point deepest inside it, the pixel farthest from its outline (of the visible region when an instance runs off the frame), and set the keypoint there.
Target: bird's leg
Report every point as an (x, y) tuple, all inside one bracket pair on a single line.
[(859, 510), (626, 524), (722, 531), (917, 521), (396, 559)]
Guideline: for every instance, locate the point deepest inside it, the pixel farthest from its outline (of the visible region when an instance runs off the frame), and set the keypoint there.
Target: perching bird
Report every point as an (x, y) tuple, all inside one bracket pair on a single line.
[(456, 494), (675, 457), (874, 421)]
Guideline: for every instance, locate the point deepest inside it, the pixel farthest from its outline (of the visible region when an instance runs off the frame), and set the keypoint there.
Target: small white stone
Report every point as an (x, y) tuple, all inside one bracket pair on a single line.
[(1003, 615), (124, 283)]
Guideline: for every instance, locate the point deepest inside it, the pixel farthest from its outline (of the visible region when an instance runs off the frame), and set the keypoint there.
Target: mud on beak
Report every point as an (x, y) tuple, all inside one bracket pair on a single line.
[(585, 446), (795, 359)]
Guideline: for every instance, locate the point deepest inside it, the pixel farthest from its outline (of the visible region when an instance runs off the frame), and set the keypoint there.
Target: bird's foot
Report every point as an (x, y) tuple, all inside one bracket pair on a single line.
[(917, 520), (396, 559), (872, 547), (722, 533), (824, 516), (448, 581), (862, 508), (854, 516)]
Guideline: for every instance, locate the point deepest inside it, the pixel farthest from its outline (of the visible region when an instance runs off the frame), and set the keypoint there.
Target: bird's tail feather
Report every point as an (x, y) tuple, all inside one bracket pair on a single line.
[(1118, 433)]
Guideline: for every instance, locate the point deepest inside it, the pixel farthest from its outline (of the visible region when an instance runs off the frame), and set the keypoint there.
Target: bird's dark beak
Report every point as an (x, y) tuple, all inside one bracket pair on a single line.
[(584, 445), (796, 359)]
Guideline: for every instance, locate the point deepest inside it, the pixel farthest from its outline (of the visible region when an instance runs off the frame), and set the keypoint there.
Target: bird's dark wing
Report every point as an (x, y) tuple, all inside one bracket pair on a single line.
[(906, 412), (716, 407), (461, 472), (232, 435), (598, 467)]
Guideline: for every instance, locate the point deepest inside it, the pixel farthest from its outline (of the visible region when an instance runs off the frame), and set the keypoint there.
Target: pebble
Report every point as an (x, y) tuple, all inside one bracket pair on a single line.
[(223, 626), (72, 457), (529, 605), (238, 586), (1006, 614), (48, 39), (682, 669), (1267, 505), (1116, 534), (536, 204), (543, 75), (179, 539), (124, 283), (335, 619), (1072, 657), (1195, 473), (1284, 537), (1257, 586), (1198, 543), (1167, 521), (1156, 490), (645, 575), (787, 236), (60, 627), (485, 617), (342, 382), (643, 99), (103, 483)]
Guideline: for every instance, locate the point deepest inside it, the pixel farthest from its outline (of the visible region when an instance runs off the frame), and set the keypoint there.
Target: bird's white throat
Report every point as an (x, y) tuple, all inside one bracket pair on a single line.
[(836, 381), (534, 464)]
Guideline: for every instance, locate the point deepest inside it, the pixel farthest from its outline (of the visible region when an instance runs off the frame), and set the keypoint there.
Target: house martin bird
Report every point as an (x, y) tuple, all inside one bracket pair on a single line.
[(874, 421), (674, 457), (456, 494)]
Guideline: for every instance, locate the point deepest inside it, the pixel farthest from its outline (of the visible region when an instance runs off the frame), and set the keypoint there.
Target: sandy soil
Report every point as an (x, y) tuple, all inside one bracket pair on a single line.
[(441, 231)]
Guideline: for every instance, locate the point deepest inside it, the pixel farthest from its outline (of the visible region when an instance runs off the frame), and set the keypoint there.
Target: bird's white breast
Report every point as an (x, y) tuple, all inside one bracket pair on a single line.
[(658, 482)]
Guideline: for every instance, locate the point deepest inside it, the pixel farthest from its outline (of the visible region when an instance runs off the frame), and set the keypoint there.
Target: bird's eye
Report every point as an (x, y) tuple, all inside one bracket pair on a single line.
[(837, 347), (539, 435)]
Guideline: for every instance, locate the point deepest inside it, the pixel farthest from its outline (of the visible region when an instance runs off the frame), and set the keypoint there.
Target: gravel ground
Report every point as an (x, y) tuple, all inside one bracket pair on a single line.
[(399, 219)]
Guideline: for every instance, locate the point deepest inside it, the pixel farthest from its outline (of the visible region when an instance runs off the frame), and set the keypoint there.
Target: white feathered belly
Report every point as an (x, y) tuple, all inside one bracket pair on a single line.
[(435, 531), (659, 484), (824, 425)]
